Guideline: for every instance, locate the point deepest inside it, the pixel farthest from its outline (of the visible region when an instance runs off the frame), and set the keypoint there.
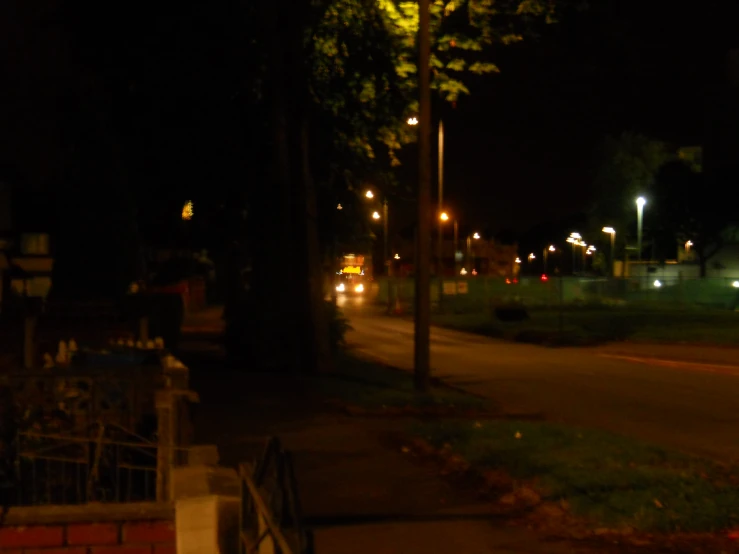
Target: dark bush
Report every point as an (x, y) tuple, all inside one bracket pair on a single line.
[(338, 325)]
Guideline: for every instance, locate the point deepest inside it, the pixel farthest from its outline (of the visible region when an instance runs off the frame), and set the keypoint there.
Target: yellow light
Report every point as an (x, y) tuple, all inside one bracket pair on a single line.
[(359, 288), (188, 211), (375, 215), (444, 216), (575, 236), (476, 236), (657, 283), (412, 121), (340, 287), (463, 271), (352, 270), (735, 284), (397, 256), (369, 194), (518, 260), (532, 256), (609, 230), (339, 207), (552, 248)]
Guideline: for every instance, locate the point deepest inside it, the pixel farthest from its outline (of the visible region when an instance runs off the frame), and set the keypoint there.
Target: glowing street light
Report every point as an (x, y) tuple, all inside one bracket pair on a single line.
[(611, 231), (376, 215), (518, 260), (412, 121), (339, 207), (369, 194), (688, 244), (639, 222), (397, 256), (735, 284), (546, 252), (470, 260), (532, 257), (444, 216)]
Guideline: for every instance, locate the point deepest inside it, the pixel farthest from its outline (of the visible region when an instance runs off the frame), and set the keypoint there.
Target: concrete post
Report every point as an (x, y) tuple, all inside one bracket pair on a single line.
[(165, 416)]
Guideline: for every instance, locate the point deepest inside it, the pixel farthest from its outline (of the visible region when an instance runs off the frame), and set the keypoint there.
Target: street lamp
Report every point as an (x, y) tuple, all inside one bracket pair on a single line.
[(551, 248), (470, 261), (385, 220), (639, 221), (532, 257), (412, 121), (575, 239), (443, 218), (611, 231)]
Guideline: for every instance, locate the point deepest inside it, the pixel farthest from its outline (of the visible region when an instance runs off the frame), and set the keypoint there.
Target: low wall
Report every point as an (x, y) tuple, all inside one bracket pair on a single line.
[(143, 528)]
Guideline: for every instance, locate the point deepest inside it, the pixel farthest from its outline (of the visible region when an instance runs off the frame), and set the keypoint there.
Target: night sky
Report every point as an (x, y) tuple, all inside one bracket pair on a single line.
[(520, 150)]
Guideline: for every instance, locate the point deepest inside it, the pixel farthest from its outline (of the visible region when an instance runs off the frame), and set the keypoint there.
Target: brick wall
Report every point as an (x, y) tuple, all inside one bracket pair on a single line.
[(131, 537)]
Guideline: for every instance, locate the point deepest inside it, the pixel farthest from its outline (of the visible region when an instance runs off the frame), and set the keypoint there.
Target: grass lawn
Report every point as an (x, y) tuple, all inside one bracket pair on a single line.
[(592, 325), (368, 384), (612, 480)]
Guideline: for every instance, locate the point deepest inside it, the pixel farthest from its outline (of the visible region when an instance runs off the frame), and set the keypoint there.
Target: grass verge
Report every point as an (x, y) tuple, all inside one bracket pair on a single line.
[(612, 481), (371, 385), (593, 325)]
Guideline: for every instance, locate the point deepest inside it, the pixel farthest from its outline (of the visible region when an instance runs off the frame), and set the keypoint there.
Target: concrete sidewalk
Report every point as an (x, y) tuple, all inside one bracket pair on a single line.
[(359, 491)]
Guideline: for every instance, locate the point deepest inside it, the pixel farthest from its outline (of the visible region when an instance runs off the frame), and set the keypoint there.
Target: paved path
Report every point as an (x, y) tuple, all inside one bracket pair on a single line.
[(679, 396), (359, 491)]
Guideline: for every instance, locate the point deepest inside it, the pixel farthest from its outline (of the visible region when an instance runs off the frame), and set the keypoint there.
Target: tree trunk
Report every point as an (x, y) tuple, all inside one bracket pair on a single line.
[(318, 348)]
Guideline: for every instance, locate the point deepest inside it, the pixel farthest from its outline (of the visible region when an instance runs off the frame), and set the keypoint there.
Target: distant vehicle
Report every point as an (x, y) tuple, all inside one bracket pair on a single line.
[(350, 283), (351, 278)]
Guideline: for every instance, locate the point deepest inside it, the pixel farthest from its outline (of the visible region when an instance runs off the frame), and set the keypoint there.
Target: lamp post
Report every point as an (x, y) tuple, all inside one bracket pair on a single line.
[(639, 222), (440, 194), (422, 321), (546, 252), (611, 231), (456, 248), (575, 239), (470, 261)]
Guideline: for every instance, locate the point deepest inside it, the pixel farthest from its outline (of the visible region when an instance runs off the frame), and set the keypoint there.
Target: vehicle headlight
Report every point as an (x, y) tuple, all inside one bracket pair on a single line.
[(340, 288), (359, 288)]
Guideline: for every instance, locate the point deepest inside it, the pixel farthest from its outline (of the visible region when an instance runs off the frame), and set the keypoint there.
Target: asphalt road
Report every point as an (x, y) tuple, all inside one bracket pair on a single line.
[(680, 397)]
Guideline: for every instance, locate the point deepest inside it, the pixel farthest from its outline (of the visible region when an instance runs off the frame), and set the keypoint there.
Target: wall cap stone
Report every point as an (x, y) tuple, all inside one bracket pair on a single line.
[(96, 512)]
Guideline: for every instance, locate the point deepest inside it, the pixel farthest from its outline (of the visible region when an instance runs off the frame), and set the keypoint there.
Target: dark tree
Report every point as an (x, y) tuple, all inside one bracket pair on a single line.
[(692, 206)]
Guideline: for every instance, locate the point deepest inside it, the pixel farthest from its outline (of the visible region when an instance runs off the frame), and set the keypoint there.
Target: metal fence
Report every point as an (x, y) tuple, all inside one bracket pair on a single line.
[(111, 465), (271, 518)]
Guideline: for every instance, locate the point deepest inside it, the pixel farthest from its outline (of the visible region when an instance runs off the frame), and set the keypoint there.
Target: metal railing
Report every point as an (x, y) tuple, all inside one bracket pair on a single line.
[(112, 464), (270, 515)]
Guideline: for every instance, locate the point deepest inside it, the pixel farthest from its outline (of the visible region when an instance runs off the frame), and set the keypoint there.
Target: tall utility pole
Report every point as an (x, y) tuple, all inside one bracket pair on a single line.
[(422, 323), (439, 222)]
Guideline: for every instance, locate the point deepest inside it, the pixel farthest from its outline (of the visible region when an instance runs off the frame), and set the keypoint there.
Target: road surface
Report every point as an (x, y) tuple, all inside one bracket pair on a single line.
[(688, 398)]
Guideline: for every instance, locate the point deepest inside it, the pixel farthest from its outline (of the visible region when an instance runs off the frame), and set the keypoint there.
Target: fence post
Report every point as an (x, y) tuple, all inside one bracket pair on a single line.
[(165, 438)]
